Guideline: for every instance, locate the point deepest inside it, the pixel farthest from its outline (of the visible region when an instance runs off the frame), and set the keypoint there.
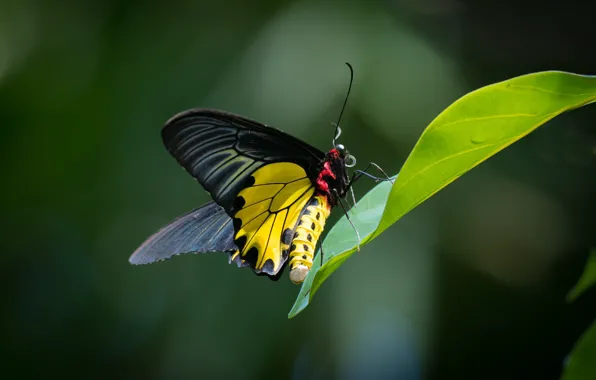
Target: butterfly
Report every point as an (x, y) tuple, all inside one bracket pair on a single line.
[(272, 193)]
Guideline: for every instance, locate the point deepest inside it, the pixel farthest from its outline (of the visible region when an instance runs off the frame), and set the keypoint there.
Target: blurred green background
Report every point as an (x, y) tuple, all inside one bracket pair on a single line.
[(469, 285)]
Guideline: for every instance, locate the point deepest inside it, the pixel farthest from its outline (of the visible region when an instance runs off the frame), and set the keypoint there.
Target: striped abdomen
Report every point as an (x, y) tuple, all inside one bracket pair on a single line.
[(307, 233)]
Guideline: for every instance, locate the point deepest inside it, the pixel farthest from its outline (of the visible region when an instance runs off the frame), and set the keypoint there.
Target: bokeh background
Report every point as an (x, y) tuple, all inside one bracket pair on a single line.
[(471, 284)]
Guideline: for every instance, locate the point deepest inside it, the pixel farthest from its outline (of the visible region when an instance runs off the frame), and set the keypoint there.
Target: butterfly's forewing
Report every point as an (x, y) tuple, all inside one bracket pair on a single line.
[(222, 150), (204, 229), (262, 177)]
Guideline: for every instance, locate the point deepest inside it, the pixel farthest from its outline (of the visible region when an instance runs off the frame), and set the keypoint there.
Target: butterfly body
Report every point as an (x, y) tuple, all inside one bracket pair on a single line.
[(306, 235)]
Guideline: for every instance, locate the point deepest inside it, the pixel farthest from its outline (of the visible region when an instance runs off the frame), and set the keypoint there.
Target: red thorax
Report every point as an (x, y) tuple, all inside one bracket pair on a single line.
[(322, 184)]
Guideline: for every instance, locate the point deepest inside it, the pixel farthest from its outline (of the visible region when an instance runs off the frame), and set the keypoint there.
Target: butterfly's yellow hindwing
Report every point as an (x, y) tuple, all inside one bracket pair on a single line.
[(268, 207)]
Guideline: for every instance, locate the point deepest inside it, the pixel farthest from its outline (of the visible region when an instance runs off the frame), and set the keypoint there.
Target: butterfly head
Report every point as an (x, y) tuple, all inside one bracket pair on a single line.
[(341, 152)]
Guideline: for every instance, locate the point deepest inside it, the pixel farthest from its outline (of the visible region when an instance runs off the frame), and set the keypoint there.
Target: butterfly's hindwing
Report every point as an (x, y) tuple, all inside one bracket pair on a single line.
[(204, 229), (268, 209)]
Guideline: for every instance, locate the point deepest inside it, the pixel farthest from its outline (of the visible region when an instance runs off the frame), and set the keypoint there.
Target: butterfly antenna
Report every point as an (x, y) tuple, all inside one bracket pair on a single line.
[(337, 128)]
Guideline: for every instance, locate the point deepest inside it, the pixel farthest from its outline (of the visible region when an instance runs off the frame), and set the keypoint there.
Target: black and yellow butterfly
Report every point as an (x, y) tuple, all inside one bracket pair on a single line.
[(272, 193)]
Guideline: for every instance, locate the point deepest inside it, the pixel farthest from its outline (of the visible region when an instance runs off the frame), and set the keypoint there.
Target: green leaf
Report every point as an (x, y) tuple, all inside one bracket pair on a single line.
[(365, 216), (587, 279), (582, 363), (469, 131)]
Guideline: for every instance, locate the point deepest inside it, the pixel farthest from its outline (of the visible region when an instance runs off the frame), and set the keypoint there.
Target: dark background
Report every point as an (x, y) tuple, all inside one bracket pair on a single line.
[(471, 284)]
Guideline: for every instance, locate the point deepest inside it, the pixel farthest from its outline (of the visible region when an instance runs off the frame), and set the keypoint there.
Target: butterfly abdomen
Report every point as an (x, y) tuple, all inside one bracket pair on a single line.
[(307, 233)]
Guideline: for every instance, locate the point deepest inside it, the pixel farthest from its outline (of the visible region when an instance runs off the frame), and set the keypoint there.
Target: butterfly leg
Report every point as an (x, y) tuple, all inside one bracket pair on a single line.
[(322, 254), (353, 197), (340, 201), (359, 173)]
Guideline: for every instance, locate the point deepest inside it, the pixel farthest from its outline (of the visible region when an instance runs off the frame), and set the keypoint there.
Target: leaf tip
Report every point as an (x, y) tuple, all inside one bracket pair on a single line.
[(299, 305)]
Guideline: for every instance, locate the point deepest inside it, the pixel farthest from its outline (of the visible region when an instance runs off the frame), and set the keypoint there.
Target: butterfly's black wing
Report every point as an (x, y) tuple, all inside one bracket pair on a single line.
[(262, 177), (204, 229), (222, 150)]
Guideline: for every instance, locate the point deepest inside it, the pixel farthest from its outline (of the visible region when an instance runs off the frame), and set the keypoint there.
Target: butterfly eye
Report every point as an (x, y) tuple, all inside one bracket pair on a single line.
[(341, 150), (350, 161)]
